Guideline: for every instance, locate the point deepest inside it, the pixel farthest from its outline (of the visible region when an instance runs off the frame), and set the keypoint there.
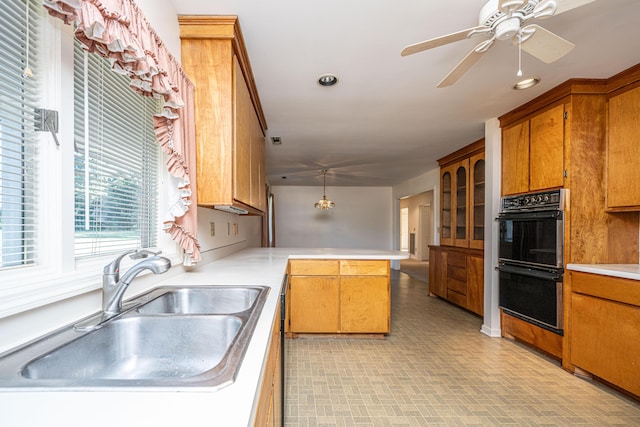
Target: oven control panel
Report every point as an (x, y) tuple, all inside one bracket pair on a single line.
[(547, 200)]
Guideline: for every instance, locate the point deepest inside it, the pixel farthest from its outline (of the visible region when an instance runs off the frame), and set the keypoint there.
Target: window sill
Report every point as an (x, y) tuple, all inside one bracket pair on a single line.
[(36, 289)]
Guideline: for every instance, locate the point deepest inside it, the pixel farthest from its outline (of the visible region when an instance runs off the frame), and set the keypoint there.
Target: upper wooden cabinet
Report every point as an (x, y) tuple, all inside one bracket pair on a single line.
[(230, 124), (623, 150), (462, 177), (533, 153)]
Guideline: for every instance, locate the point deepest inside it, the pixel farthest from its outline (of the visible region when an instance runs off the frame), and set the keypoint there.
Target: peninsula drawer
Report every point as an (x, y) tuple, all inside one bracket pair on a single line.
[(364, 267), (314, 267)]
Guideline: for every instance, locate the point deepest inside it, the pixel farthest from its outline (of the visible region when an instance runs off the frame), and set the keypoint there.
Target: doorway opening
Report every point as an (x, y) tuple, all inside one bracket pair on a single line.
[(404, 229), (417, 233)]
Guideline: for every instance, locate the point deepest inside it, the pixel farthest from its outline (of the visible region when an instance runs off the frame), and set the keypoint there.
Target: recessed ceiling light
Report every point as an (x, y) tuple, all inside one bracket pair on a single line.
[(327, 80), (526, 83)]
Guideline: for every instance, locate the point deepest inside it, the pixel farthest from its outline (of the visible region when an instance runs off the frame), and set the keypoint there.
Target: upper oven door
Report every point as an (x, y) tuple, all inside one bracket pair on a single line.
[(532, 238)]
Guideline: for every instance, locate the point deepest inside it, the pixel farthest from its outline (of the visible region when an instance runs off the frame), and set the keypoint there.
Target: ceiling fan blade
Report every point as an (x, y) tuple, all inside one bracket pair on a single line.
[(440, 41), (466, 63), (545, 45), (566, 5)]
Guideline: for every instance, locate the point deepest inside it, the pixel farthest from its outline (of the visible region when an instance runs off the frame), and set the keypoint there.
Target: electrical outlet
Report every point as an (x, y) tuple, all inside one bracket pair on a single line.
[(228, 229), (212, 228), (235, 228)]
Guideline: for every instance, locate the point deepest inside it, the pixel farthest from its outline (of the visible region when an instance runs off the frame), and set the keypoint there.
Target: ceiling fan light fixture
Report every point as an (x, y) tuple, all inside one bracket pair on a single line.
[(327, 80), (526, 83)]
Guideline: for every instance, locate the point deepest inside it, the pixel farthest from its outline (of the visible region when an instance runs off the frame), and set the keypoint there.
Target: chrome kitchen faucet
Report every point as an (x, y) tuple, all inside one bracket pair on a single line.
[(114, 287)]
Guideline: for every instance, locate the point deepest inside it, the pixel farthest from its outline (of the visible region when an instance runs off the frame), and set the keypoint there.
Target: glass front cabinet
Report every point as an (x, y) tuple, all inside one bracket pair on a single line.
[(462, 178)]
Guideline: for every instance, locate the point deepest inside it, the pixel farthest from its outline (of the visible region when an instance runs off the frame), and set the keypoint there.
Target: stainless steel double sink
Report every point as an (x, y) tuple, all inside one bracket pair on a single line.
[(168, 337)]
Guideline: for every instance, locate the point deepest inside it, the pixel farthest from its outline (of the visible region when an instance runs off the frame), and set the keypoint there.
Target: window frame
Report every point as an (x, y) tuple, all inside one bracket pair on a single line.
[(57, 275)]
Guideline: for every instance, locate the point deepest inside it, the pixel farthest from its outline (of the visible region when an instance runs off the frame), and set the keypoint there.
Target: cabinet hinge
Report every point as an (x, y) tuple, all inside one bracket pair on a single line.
[(565, 174), (566, 115)]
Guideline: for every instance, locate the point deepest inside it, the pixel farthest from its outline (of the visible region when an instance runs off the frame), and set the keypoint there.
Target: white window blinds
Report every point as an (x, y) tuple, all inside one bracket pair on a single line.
[(19, 41), (116, 161)]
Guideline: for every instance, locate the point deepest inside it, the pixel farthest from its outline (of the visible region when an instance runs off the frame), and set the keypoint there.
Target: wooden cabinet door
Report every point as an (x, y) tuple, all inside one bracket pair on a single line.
[(446, 205), (364, 304), (623, 150), (315, 302), (267, 412), (207, 62), (604, 340), (461, 204), (476, 201), (258, 180), (275, 418), (475, 284), (438, 272), (243, 112), (546, 149), (249, 170), (515, 159)]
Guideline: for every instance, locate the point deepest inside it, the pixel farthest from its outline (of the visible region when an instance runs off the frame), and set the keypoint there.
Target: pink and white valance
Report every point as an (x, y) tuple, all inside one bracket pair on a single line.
[(118, 30)]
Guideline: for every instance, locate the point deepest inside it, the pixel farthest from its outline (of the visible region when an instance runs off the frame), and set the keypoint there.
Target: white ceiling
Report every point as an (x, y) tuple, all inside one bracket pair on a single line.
[(385, 121)]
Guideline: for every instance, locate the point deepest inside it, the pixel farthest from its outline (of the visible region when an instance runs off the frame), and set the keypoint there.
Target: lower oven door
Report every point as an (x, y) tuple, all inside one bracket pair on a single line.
[(533, 295)]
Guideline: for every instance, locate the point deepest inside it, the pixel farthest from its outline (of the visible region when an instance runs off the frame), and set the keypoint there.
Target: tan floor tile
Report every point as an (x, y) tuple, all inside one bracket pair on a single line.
[(437, 369)]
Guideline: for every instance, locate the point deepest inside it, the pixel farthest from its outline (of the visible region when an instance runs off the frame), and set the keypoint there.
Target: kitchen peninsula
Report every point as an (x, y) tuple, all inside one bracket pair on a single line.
[(234, 405)]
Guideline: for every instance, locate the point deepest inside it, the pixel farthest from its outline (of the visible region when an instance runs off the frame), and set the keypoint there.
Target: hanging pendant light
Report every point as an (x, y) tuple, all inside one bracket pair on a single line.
[(324, 203)]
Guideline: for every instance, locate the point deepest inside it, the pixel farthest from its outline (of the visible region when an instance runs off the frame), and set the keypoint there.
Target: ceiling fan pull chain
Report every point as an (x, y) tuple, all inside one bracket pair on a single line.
[(519, 73)]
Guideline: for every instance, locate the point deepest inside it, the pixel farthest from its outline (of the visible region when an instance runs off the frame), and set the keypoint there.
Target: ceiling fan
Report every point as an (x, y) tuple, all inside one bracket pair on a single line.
[(507, 20)]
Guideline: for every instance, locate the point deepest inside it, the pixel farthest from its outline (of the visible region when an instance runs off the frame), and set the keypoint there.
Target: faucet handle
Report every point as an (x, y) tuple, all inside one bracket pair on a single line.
[(144, 253), (114, 266)]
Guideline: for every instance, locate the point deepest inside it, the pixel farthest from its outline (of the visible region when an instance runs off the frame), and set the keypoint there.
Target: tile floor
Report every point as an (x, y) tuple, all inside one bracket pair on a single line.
[(437, 369)]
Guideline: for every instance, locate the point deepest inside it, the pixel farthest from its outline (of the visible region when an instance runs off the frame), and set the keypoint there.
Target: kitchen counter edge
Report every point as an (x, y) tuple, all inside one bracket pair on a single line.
[(231, 406), (624, 271)]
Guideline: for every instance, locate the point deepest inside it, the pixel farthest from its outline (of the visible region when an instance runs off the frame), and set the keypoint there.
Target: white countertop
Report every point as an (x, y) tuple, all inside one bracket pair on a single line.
[(193, 407), (625, 271)]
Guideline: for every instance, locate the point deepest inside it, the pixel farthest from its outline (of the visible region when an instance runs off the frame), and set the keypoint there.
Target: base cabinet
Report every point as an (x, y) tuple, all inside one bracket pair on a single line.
[(269, 409), (315, 304), (364, 304), (457, 275), (339, 296), (605, 332)]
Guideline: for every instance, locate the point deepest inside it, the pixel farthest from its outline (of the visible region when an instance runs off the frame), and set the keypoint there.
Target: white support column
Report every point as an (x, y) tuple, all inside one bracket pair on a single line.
[(493, 139)]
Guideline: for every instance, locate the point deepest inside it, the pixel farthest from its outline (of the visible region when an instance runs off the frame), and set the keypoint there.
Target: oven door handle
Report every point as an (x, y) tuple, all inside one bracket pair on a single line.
[(524, 271), (526, 216)]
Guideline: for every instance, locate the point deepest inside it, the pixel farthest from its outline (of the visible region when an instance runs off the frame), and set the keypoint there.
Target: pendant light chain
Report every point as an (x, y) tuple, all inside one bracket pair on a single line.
[(324, 203)]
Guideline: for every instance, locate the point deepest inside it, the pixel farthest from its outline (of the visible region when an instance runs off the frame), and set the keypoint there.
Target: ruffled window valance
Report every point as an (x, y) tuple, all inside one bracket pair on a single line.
[(117, 30)]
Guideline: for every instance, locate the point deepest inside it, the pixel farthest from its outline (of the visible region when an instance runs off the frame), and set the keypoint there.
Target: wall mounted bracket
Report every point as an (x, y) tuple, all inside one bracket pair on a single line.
[(47, 121)]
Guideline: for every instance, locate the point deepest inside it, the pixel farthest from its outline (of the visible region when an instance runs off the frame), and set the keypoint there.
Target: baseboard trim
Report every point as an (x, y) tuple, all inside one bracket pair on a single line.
[(493, 333)]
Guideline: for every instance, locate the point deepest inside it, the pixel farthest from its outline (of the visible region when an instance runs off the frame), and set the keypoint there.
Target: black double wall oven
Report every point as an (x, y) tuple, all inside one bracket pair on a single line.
[(530, 258)]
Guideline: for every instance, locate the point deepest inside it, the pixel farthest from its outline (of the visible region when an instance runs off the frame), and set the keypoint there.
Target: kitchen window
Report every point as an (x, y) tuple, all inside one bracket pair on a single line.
[(62, 221), (18, 100), (116, 161)]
